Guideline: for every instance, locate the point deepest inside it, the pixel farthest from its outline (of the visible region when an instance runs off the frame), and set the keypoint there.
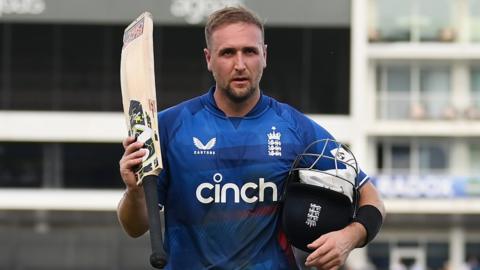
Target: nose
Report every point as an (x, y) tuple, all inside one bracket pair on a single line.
[(239, 62)]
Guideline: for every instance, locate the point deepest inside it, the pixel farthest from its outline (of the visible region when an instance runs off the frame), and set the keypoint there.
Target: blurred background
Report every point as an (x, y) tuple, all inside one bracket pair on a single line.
[(398, 80)]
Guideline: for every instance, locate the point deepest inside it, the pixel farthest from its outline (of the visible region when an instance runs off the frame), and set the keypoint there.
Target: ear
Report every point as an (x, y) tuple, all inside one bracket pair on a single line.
[(264, 55), (208, 57)]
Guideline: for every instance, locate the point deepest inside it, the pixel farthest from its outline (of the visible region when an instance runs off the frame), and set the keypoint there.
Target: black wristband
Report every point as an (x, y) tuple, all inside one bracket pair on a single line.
[(371, 218)]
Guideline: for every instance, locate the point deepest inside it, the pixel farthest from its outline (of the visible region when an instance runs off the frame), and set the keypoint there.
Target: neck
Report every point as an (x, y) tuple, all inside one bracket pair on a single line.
[(233, 108)]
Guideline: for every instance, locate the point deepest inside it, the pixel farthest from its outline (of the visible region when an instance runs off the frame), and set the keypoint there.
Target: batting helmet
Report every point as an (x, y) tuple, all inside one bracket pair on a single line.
[(320, 194)]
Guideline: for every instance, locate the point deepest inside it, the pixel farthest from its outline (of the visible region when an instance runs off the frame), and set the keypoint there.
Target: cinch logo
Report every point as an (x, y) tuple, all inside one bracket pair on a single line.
[(218, 193), (204, 149)]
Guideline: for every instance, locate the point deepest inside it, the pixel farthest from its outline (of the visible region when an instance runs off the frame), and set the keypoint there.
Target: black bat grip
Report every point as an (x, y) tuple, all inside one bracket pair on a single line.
[(158, 259)]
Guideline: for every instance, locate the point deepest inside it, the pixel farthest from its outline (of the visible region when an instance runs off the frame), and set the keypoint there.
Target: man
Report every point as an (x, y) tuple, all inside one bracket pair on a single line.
[(221, 181)]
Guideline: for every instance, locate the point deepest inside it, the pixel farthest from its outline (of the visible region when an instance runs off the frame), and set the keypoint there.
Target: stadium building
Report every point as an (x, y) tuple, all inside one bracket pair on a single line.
[(397, 80)]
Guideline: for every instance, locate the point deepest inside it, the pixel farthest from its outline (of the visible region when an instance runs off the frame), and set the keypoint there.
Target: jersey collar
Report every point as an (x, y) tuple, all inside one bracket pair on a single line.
[(209, 101)]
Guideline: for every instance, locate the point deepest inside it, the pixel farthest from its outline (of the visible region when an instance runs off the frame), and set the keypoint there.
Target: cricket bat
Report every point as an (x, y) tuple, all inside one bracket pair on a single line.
[(137, 75)]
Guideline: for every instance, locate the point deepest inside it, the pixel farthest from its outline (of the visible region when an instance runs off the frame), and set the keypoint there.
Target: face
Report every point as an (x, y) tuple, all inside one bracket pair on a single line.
[(236, 58)]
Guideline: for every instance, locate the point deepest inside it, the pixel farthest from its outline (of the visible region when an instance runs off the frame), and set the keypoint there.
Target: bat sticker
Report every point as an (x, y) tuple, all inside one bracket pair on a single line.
[(139, 127)]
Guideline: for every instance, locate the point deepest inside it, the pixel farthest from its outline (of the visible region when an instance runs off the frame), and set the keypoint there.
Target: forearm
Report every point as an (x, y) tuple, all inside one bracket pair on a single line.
[(369, 196), (357, 233), (132, 212), (371, 213)]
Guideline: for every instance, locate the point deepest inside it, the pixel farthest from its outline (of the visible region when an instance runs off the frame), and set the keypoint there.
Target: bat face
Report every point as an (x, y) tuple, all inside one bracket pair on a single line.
[(141, 129), (138, 92), (139, 105)]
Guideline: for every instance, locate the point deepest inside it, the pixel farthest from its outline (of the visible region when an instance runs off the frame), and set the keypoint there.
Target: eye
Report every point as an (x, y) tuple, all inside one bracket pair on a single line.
[(250, 51), (227, 52)]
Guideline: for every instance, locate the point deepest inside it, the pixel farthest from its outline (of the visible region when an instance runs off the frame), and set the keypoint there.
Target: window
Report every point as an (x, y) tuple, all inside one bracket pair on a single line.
[(392, 20), (4, 64), (474, 158), (434, 20), (379, 255), (474, 9), (32, 70), (76, 67), (311, 70), (21, 164), (435, 90), (180, 64), (91, 165), (414, 156), (417, 91), (329, 87), (394, 84), (54, 165), (412, 20), (88, 68), (384, 255), (433, 157), (398, 79), (437, 255), (70, 67), (472, 250), (400, 157), (475, 86)]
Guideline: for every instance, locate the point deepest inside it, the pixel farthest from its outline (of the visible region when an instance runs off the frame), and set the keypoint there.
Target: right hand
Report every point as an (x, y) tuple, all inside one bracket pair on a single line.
[(131, 158), (132, 210)]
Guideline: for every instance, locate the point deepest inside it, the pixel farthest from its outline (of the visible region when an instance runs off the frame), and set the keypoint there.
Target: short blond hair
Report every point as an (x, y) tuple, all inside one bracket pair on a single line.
[(231, 15)]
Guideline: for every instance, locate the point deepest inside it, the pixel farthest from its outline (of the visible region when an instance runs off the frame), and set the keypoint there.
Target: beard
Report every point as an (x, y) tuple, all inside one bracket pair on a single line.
[(239, 97)]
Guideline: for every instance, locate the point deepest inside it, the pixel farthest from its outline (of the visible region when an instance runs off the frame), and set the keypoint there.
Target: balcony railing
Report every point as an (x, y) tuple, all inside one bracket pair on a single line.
[(393, 106)]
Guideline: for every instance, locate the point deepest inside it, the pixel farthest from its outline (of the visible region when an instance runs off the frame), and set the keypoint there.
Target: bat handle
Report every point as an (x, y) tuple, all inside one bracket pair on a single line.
[(158, 259)]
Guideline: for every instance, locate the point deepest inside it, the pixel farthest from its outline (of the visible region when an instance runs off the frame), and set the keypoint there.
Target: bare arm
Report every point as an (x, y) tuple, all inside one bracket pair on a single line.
[(332, 249), (370, 196), (132, 209)]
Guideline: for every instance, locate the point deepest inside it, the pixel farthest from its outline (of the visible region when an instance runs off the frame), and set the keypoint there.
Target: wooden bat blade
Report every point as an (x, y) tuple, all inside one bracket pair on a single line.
[(137, 74)]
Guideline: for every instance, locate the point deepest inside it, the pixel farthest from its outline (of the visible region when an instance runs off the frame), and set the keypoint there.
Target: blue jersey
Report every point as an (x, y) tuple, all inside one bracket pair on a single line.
[(222, 180)]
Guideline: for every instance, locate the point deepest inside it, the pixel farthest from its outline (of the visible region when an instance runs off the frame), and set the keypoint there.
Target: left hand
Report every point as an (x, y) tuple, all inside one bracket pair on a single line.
[(332, 249)]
